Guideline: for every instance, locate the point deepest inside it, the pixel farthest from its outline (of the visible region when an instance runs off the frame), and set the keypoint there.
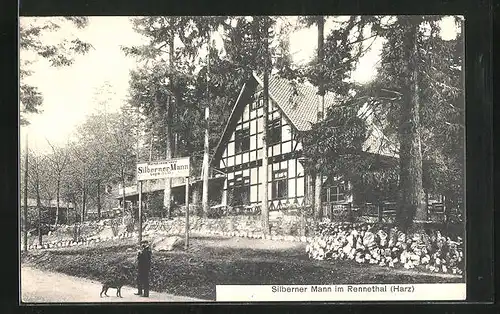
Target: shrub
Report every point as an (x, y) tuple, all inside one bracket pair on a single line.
[(155, 205), (129, 222), (115, 223), (77, 233), (216, 211)]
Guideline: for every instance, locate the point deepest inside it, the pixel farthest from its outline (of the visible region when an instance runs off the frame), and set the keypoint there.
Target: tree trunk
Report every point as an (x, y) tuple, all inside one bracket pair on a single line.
[(58, 189), (75, 208), (306, 204), (175, 143), (66, 214), (167, 196), (123, 194), (39, 206), (205, 166), (412, 200), (318, 210), (206, 144), (321, 88), (84, 201), (310, 189), (168, 182), (151, 148), (99, 200), (265, 195)]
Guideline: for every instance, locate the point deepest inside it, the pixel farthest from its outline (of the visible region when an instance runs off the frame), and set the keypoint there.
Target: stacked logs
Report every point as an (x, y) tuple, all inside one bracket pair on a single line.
[(385, 246)]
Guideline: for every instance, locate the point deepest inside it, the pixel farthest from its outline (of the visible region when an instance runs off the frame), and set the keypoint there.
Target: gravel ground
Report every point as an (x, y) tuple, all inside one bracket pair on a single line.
[(40, 286)]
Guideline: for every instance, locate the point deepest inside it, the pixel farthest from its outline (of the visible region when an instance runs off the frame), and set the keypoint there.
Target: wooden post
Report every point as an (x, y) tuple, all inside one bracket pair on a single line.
[(303, 223), (186, 243), (379, 212), (445, 216), (351, 218), (140, 212)]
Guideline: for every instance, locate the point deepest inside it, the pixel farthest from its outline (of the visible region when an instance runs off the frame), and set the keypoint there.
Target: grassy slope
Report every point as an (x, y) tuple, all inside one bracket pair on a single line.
[(211, 261)]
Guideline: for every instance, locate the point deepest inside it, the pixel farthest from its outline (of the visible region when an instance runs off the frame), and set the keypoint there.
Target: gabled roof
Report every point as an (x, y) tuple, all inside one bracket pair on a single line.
[(299, 107), (299, 104)]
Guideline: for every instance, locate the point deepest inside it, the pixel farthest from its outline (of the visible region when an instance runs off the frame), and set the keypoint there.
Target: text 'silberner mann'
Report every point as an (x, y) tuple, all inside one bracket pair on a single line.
[(172, 167)]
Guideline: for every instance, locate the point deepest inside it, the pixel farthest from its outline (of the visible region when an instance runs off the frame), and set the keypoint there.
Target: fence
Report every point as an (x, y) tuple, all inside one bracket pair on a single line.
[(384, 212)]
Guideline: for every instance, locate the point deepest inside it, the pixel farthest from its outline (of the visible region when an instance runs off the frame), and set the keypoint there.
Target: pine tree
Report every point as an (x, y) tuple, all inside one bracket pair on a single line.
[(160, 81), (183, 102), (416, 99), (328, 71), (421, 74), (203, 28)]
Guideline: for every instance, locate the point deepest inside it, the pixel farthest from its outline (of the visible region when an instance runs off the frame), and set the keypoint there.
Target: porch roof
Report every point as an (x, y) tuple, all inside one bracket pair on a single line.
[(159, 185)]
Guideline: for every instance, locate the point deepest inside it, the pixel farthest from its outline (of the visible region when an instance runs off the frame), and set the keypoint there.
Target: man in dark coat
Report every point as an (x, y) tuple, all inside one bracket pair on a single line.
[(143, 265)]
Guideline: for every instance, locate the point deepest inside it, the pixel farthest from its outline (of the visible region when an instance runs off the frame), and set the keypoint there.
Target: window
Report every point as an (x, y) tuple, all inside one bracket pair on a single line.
[(334, 193), (274, 131), (242, 140), (258, 101), (239, 190), (280, 184)]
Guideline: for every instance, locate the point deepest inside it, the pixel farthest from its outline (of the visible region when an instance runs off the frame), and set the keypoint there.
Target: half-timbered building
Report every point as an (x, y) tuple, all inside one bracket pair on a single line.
[(292, 108)]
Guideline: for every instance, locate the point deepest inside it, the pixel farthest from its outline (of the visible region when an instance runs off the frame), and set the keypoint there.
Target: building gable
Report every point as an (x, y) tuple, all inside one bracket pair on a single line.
[(297, 104)]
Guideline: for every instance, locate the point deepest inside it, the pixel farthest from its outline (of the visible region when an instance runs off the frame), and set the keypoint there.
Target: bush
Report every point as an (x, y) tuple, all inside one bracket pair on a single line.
[(115, 224), (129, 222), (216, 211), (77, 233), (155, 205)]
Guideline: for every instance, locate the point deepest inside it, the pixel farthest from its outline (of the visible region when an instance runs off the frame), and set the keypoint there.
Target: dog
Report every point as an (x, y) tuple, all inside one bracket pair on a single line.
[(116, 283)]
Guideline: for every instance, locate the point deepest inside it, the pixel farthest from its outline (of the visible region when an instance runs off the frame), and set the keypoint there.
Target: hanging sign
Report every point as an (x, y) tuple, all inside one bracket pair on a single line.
[(172, 168)]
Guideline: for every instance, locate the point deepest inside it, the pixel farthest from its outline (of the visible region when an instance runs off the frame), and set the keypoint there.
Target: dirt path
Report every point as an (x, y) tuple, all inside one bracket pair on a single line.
[(39, 286)]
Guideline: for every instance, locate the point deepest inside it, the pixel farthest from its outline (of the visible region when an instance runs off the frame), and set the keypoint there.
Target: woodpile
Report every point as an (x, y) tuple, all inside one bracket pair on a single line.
[(368, 243)]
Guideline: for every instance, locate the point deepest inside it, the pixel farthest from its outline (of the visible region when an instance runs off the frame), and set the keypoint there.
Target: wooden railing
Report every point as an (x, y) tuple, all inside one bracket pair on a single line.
[(437, 211), (383, 212), (339, 211), (386, 211)]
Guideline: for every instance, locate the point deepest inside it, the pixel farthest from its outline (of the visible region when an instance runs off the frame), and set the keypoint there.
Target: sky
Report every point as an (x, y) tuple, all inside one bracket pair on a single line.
[(69, 91)]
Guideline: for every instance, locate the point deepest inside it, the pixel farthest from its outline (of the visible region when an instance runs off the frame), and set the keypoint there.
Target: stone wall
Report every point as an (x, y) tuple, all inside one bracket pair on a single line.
[(283, 227)]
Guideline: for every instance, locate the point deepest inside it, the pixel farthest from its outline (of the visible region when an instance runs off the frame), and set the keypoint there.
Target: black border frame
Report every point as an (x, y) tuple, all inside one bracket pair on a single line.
[(479, 170)]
